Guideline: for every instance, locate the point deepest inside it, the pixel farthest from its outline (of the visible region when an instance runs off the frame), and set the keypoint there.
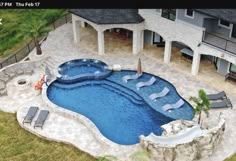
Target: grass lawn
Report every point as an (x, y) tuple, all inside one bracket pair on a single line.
[(12, 37), (232, 158), (17, 144)]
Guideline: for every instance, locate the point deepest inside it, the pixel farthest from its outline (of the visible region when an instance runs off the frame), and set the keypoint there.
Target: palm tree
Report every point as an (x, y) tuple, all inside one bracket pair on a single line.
[(202, 103), (36, 29)]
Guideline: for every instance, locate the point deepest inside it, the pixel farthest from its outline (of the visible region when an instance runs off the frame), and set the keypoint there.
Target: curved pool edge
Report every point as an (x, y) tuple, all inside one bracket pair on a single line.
[(103, 71), (160, 111), (120, 152), (81, 118)]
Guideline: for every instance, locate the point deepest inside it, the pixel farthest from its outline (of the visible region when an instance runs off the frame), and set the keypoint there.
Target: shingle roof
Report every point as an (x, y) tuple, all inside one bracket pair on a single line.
[(224, 14), (109, 16)]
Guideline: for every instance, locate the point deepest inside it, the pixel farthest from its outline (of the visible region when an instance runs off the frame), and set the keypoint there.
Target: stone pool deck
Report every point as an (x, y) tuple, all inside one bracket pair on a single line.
[(60, 47)]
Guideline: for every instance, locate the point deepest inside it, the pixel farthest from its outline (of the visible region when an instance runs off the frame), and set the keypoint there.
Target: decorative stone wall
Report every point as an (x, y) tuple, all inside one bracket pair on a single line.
[(198, 147), (20, 68)]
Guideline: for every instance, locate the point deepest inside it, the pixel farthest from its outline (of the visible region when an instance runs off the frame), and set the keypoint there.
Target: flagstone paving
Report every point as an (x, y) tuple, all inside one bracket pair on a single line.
[(60, 46)]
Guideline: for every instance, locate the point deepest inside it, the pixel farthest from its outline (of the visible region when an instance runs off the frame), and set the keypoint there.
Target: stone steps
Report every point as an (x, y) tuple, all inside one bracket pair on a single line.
[(52, 64), (108, 85)]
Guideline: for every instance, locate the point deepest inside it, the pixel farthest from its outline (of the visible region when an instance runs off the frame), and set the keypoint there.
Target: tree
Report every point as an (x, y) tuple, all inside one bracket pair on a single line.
[(202, 103), (36, 29)]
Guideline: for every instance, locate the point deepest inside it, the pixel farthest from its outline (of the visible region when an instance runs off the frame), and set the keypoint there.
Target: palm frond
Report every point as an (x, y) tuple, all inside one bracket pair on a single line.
[(202, 103)]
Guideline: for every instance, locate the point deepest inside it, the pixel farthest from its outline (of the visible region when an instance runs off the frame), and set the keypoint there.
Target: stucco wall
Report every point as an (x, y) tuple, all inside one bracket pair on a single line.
[(197, 20), (171, 30)]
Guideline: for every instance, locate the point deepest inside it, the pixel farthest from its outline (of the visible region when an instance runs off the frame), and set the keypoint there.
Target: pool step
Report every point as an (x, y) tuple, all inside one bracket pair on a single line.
[(125, 90), (125, 94), (108, 85)]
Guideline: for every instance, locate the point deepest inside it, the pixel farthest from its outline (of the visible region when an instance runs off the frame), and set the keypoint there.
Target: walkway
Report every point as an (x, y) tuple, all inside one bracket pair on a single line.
[(60, 46)]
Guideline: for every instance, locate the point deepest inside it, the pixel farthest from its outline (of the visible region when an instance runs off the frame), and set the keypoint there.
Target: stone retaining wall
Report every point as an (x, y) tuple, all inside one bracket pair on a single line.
[(20, 68), (200, 147)]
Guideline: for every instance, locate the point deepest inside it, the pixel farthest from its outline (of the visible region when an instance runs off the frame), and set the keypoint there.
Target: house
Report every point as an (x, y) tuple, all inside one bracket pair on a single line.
[(199, 33)]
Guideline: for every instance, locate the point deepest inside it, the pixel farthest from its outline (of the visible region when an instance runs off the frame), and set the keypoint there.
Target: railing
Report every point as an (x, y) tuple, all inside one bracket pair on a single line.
[(219, 42), (23, 52)]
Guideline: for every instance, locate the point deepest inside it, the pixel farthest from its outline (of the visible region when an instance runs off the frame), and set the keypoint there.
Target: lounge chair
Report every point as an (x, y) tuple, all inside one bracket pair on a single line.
[(176, 105), (147, 83), (30, 114), (164, 92), (128, 77), (41, 118), (225, 103), (220, 95)]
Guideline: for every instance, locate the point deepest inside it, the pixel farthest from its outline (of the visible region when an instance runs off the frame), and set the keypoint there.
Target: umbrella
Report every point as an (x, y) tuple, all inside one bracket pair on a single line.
[(139, 70)]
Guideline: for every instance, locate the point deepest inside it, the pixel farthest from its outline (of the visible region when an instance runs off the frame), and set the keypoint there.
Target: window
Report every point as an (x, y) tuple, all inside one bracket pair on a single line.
[(169, 14), (224, 23), (232, 68), (189, 13)]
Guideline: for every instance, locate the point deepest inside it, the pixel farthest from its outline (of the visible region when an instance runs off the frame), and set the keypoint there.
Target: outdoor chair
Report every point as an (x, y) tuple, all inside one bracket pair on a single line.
[(147, 83), (30, 114), (41, 118), (223, 104), (220, 95), (130, 77), (176, 105), (164, 92)]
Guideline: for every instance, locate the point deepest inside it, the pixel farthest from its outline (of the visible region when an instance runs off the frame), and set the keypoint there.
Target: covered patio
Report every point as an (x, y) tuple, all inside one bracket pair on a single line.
[(106, 20), (117, 46)]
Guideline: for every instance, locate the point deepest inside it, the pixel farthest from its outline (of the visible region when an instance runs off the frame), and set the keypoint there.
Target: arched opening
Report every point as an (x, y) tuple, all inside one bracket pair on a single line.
[(88, 38), (154, 44), (215, 69), (118, 41)]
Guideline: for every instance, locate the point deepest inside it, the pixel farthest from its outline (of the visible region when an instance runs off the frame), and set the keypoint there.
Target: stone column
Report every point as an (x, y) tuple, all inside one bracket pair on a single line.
[(142, 41), (82, 24), (136, 41), (167, 52), (75, 30), (100, 42), (196, 63)]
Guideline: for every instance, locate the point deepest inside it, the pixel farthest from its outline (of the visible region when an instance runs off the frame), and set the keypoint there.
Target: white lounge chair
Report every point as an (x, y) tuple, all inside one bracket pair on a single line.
[(164, 92), (147, 83), (130, 77), (176, 105)]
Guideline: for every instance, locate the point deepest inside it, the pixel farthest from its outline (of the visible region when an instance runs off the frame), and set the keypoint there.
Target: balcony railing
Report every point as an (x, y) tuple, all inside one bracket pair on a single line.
[(219, 42)]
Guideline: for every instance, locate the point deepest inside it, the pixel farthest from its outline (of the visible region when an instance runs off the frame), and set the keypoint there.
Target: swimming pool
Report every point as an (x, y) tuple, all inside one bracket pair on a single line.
[(120, 112)]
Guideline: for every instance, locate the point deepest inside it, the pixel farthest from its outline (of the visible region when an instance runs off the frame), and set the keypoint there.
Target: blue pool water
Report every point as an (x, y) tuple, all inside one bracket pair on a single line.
[(120, 112), (116, 116), (75, 70)]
